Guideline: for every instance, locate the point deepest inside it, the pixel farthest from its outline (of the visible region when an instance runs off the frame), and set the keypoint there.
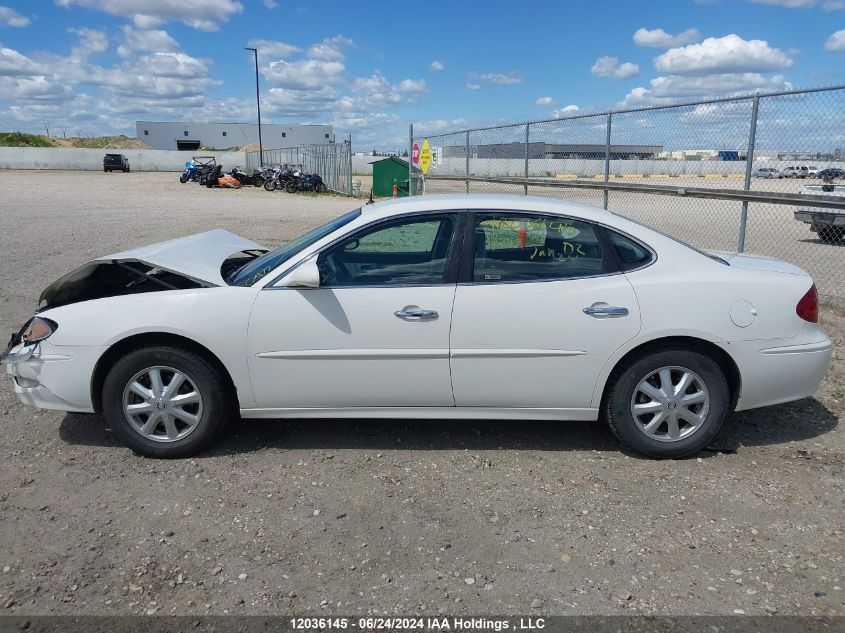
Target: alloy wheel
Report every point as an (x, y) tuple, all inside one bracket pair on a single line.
[(162, 404), (670, 404)]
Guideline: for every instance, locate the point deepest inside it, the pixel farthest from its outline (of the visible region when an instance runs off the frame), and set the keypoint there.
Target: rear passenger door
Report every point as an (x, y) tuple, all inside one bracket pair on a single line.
[(540, 307)]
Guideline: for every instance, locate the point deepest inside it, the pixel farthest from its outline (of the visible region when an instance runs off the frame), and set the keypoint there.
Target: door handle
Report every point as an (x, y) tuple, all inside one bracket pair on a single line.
[(416, 313), (601, 310)]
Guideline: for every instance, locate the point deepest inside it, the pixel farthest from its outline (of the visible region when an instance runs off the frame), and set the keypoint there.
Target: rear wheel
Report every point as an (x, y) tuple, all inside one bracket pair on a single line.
[(257, 181), (166, 402), (291, 187), (320, 188), (667, 403), (270, 185)]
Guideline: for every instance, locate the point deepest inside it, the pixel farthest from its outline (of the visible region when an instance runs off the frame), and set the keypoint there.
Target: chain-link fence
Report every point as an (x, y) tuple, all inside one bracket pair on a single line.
[(333, 162), (741, 174)]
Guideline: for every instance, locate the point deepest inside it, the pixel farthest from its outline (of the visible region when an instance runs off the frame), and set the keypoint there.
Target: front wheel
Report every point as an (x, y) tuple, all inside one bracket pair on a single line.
[(270, 185), (257, 181), (667, 403), (291, 187), (183, 179), (166, 401)]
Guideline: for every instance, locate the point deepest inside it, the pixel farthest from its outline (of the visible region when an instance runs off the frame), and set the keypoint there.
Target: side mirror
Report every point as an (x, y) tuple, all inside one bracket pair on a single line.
[(306, 275)]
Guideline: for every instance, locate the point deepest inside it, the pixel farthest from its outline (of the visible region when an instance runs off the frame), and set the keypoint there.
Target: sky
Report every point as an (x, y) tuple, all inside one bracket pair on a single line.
[(371, 67)]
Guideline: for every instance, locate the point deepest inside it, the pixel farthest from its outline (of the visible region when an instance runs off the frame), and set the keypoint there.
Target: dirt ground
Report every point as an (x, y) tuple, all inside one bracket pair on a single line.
[(354, 517)]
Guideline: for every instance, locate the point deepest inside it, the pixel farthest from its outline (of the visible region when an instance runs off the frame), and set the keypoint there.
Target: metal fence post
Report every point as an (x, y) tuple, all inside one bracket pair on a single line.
[(525, 186), (467, 160), (749, 160), (607, 158), (349, 171), (410, 159)]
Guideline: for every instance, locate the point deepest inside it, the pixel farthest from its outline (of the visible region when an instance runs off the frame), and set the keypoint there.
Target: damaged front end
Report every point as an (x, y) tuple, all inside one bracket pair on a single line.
[(204, 260), (100, 279)]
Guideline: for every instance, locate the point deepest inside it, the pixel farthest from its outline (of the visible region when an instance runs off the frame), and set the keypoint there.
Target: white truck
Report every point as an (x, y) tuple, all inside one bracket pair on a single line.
[(828, 223)]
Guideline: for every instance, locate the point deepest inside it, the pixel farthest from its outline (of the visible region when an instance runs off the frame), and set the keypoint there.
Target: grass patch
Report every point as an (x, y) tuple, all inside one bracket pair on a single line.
[(18, 139)]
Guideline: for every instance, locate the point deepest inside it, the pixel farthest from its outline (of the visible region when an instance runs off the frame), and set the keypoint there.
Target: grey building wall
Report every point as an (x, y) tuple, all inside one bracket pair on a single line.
[(164, 135)]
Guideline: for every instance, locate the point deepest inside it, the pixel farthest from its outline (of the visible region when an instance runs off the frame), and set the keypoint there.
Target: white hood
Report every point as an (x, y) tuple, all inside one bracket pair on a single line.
[(197, 256)]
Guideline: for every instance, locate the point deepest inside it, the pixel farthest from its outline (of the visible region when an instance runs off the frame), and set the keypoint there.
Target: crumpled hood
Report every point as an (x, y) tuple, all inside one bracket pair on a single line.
[(197, 256), (759, 262)]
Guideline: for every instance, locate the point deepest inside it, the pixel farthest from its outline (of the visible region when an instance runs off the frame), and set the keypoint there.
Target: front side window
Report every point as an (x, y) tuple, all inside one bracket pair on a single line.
[(408, 251), (256, 269), (523, 247)]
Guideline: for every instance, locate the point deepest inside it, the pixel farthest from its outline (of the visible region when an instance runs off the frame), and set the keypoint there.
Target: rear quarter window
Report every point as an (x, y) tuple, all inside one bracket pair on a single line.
[(631, 254)]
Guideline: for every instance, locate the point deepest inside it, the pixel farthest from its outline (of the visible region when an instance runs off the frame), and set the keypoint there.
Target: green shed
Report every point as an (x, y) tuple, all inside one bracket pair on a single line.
[(388, 171)]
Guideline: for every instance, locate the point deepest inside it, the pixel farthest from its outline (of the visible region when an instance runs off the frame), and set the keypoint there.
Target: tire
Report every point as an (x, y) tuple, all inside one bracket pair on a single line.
[(270, 185), (624, 393), (291, 187), (258, 181), (213, 411), (320, 188), (183, 179), (105, 170)]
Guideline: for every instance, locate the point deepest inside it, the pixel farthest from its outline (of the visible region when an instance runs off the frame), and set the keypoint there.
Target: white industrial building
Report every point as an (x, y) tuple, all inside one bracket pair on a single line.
[(193, 136)]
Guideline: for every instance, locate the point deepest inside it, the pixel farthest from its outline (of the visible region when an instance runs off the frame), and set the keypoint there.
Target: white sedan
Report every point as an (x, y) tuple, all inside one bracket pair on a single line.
[(464, 307)]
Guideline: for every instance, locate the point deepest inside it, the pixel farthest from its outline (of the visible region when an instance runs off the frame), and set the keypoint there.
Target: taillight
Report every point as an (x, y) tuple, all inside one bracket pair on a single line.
[(808, 307)]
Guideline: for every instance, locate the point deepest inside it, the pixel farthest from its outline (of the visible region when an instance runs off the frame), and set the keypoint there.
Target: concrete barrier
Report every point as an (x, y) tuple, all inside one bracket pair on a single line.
[(83, 159)]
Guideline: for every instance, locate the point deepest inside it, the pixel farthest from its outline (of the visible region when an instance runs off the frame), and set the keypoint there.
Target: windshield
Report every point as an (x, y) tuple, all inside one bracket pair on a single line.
[(255, 270)]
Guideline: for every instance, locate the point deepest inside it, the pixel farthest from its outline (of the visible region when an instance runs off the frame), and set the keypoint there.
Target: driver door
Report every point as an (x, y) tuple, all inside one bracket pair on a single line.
[(376, 331)]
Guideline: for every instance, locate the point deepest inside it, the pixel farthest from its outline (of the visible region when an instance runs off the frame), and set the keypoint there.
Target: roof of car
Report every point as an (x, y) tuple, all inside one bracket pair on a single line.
[(486, 201)]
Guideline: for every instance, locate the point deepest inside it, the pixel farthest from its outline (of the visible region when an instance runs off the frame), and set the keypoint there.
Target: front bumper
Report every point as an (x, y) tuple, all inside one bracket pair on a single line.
[(54, 377)]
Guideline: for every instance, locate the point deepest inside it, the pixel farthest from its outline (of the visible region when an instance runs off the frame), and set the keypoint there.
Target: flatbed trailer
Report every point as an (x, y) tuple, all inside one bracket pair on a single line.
[(828, 223)]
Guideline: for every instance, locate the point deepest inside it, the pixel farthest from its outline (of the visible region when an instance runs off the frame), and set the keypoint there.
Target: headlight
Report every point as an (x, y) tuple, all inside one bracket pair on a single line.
[(38, 329)]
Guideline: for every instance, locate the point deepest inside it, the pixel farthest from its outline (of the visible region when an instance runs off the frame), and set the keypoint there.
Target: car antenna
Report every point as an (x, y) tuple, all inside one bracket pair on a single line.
[(371, 201)]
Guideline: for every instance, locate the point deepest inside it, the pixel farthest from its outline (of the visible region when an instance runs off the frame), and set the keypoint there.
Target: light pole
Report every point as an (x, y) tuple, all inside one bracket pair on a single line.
[(258, 103)]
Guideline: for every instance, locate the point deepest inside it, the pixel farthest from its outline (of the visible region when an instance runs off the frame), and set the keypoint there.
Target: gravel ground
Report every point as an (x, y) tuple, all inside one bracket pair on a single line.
[(350, 517)]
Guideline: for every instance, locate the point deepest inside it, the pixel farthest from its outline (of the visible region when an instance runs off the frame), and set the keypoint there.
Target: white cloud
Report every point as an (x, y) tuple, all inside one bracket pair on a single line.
[(658, 38), (509, 78), (149, 40), (329, 49), (836, 42), (270, 4), (729, 54), (472, 86), (412, 85), (438, 125), (305, 74), (610, 67), (205, 15), (271, 50), (544, 101), (665, 89), (562, 112), (10, 17), (437, 66), (14, 63), (790, 4)]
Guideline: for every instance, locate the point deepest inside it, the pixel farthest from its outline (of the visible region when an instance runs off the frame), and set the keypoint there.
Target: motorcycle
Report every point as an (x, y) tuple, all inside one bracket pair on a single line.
[(190, 173), (281, 178), (197, 169), (307, 182), (217, 178), (256, 179)]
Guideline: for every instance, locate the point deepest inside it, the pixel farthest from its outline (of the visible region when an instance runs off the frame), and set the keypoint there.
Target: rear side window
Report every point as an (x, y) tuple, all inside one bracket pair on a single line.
[(630, 254), (516, 247)]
